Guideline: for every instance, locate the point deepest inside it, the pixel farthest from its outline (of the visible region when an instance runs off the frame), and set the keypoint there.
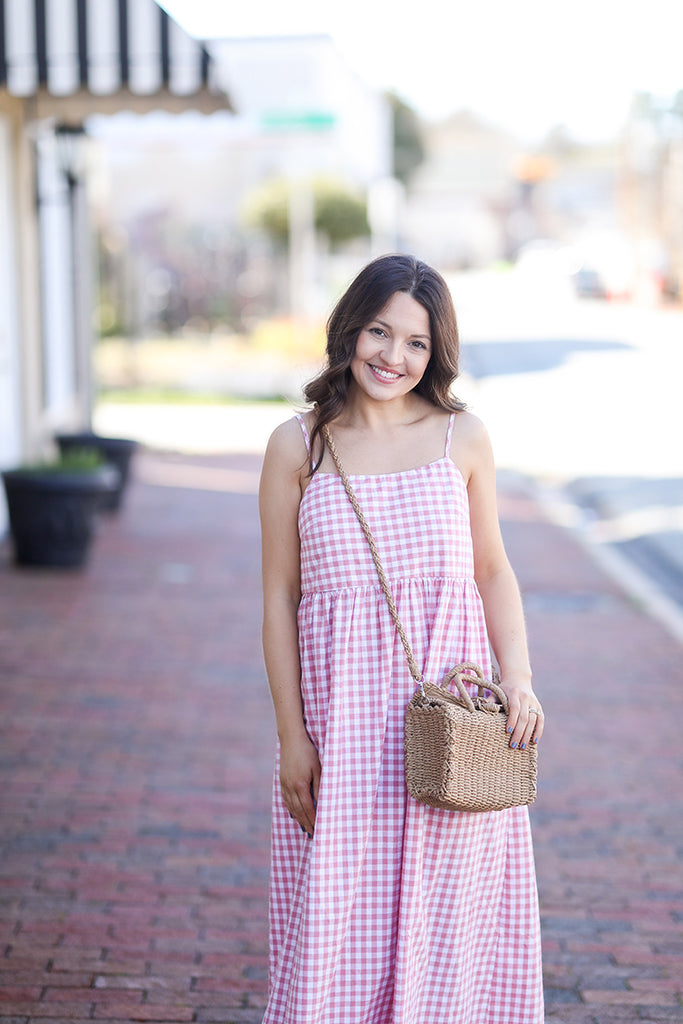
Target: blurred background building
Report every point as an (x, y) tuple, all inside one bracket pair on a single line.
[(194, 214), (152, 186), (61, 63), (223, 222)]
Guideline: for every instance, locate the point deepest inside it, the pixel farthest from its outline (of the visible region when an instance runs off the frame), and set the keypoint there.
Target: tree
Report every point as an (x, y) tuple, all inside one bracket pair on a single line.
[(340, 214), (409, 149)]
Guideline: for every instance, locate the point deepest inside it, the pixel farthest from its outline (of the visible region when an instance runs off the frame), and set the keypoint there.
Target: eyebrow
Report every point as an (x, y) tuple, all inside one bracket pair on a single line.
[(377, 320)]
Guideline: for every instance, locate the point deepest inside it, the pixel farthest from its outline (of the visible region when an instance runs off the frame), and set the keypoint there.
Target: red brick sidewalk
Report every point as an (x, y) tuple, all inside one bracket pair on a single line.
[(136, 761), (608, 824)]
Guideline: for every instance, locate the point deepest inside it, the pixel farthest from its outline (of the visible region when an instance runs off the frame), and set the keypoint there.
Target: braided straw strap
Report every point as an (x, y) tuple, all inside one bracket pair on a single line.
[(384, 583), (457, 755), (467, 672)]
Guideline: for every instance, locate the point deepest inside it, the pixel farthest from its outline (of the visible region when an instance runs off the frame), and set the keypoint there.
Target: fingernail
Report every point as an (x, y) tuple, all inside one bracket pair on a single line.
[(510, 729), (535, 739), (523, 746), (514, 746)]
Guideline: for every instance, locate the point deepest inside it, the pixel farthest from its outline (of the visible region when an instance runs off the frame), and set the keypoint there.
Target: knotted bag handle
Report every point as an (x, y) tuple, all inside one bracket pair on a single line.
[(465, 672)]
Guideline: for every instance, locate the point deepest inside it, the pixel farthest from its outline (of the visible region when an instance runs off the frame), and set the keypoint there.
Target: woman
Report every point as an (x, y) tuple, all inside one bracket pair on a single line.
[(384, 910)]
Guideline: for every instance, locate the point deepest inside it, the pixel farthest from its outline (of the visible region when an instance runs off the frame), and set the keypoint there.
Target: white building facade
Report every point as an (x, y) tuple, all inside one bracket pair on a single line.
[(60, 62)]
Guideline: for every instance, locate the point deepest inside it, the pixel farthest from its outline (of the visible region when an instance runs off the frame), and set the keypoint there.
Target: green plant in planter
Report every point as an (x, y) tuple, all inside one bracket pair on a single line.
[(118, 451), (78, 460), (53, 507)]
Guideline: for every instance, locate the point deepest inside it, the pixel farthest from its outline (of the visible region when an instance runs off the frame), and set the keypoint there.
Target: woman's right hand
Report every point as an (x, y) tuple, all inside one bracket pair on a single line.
[(300, 779)]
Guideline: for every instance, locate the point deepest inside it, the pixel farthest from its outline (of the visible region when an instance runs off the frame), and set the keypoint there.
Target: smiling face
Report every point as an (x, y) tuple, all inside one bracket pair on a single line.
[(393, 350)]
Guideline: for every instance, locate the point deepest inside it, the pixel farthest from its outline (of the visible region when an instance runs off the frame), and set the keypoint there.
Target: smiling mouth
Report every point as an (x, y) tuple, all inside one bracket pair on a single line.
[(387, 375)]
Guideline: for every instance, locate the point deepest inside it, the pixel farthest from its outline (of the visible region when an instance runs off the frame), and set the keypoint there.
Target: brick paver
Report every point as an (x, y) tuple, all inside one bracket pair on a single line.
[(608, 824), (136, 759)]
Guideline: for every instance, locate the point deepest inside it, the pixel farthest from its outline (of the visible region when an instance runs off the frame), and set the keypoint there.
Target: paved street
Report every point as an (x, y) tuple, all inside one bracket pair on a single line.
[(584, 398), (136, 760)]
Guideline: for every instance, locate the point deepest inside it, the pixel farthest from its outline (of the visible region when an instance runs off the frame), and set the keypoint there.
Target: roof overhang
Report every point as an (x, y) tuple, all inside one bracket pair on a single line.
[(72, 58)]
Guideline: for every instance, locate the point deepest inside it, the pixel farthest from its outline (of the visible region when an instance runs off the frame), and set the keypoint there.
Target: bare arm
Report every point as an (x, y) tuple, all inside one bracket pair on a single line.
[(499, 590), (279, 498)]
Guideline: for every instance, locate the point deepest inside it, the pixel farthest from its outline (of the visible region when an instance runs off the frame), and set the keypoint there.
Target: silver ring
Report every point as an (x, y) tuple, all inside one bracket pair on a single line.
[(534, 711)]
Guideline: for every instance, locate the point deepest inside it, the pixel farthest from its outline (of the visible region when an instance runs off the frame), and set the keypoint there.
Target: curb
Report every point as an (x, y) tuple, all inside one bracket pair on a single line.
[(639, 588)]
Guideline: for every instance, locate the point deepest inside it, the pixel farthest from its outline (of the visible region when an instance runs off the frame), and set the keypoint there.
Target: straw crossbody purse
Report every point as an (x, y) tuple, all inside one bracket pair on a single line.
[(457, 750)]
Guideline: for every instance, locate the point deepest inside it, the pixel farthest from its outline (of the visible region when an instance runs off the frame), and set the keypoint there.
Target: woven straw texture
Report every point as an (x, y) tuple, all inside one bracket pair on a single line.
[(461, 760), (395, 912)]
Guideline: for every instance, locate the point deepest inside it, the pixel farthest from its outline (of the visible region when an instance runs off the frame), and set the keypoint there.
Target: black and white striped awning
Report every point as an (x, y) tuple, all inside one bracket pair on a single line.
[(101, 55)]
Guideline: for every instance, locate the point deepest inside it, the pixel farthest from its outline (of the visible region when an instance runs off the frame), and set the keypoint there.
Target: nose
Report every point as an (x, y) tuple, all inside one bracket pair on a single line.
[(391, 351)]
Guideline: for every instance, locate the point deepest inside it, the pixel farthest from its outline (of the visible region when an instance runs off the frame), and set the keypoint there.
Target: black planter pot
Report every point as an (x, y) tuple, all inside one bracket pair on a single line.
[(117, 451), (52, 513)]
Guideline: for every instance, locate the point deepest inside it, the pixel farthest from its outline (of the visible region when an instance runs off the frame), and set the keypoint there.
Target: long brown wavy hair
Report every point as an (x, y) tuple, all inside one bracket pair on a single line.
[(365, 297)]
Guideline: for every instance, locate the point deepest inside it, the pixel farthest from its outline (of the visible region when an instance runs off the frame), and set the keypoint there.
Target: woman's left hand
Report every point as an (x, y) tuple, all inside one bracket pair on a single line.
[(525, 719)]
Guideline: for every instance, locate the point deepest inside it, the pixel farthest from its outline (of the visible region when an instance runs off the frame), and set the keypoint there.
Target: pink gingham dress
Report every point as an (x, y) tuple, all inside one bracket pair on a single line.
[(395, 912)]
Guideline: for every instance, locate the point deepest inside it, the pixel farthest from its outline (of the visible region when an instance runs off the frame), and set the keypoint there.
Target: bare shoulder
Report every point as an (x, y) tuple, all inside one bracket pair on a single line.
[(470, 444), (284, 467), (470, 426), (287, 447)]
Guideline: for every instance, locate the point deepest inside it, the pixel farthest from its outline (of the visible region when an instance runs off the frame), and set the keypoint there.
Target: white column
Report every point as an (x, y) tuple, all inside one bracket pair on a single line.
[(10, 369)]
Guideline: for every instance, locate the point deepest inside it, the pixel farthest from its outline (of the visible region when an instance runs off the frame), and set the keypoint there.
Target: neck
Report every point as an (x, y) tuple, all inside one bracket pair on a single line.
[(364, 412)]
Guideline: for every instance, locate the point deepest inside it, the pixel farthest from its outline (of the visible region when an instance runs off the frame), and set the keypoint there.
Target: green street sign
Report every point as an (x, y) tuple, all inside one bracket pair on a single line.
[(298, 120)]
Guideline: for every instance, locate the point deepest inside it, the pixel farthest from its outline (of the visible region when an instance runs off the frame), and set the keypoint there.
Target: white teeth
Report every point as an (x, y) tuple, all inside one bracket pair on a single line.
[(386, 374)]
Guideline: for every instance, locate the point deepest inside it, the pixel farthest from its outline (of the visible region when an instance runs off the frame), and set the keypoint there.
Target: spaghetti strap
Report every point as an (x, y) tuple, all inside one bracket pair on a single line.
[(449, 434), (304, 431)]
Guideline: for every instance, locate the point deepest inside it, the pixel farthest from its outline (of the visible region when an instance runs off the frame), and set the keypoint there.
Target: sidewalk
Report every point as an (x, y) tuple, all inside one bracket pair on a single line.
[(136, 761)]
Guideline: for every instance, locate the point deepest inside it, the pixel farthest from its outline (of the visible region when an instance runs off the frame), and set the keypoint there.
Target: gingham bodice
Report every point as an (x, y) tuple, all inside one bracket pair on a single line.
[(419, 518)]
